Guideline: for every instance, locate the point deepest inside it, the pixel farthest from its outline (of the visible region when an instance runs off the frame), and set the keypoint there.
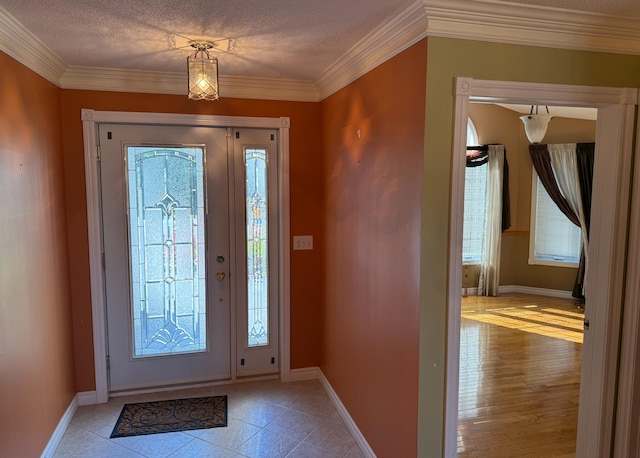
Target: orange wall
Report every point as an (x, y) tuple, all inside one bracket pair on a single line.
[(306, 217), (372, 248), (36, 346)]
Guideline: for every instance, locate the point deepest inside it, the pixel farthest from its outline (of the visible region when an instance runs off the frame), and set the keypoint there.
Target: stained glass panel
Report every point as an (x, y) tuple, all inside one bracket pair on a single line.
[(257, 249), (167, 245)]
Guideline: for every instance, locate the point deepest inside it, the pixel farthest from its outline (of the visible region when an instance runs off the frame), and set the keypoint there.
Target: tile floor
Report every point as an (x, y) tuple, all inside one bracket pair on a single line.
[(265, 419)]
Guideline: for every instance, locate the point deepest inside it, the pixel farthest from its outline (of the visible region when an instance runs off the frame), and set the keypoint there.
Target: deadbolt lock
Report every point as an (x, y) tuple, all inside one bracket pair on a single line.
[(220, 276)]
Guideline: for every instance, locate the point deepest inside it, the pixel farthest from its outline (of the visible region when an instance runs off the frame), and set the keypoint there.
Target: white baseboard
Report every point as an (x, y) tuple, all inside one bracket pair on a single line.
[(537, 291), (306, 373), (524, 290), (315, 373), (348, 421), (470, 291), (63, 424), (87, 398)]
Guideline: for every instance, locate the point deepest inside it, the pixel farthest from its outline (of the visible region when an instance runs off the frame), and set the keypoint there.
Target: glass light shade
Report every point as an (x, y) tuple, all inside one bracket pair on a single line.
[(535, 126), (203, 78)]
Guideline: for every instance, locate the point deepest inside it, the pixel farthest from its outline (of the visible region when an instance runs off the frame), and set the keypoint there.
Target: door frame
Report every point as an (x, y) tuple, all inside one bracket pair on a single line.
[(90, 120), (614, 153)]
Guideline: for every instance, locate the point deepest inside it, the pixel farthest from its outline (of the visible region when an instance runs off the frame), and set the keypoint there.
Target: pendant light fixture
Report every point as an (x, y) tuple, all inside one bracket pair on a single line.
[(203, 72), (535, 125)]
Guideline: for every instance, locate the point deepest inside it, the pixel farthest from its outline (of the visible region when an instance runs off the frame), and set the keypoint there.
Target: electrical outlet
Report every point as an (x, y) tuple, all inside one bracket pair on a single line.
[(303, 242)]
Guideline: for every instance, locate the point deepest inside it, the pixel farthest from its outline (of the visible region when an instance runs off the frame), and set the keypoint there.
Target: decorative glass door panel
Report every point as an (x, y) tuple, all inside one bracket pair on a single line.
[(167, 249), (256, 251), (189, 243), (257, 215), (165, 206)]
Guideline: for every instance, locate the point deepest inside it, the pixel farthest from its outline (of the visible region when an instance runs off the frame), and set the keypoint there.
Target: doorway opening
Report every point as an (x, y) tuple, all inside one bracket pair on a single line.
[(521, 343), (614, 148)]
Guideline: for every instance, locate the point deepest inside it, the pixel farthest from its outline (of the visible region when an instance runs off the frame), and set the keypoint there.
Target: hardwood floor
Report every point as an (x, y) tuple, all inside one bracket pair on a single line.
[(520, 361)]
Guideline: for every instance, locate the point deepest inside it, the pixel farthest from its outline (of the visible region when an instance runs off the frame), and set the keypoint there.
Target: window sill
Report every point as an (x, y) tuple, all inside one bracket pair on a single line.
[(553, 263)]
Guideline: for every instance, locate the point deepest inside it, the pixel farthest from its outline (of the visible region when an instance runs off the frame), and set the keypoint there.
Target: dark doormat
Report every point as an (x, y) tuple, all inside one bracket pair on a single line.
[(171, 416)]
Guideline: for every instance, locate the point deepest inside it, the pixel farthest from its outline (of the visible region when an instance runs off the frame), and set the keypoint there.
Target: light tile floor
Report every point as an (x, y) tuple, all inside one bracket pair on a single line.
[(265, 419)]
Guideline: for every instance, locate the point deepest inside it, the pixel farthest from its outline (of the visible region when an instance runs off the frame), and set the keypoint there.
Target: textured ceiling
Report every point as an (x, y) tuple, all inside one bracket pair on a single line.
[(293, 39)]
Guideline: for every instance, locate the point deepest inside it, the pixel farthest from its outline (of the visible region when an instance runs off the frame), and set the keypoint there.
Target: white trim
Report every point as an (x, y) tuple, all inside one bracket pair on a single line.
[(63, 424), (284, 228), (344, 414), (407, 26), (627, 424), (18, 42), (518, 23), (612, 178), (94, 230), (131, 117), (87, 398), (471, 291), (90, 119), (403, 29), (537, 291), (604, 287), (136, 390), (505, 289), (150, 82), (179, 384), (550, 94), (305, 373), (315, 373), (454, 306), (233, 285), (487, 20)]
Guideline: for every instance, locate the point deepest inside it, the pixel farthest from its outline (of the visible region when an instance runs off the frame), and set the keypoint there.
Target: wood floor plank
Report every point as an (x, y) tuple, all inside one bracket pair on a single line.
[(520, 361)]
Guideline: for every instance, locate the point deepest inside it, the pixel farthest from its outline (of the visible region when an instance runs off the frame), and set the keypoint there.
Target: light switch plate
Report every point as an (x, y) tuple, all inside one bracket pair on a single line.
[(303, 242)]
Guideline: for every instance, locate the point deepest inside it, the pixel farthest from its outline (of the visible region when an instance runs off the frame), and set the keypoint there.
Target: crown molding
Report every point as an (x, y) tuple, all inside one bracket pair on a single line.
[(486, 20), (268, 88), (405, 28), (517, 23), (120, 80), (23, 46)]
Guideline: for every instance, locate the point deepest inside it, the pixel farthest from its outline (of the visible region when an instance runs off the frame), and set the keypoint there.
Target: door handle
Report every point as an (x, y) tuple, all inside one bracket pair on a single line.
[(220, 276)]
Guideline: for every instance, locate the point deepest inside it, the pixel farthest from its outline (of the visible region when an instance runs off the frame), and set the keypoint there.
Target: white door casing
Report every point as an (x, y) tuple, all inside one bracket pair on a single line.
[(91, 119), (614, 149), (627, 433)]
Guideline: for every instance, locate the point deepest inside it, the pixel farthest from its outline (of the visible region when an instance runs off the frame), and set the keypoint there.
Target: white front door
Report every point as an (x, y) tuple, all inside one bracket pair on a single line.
[(174, 282)]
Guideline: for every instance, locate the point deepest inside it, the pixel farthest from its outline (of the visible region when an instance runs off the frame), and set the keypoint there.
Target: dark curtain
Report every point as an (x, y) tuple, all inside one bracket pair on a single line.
[(479, 155), (585, 154), (585, 157), (542, 163)]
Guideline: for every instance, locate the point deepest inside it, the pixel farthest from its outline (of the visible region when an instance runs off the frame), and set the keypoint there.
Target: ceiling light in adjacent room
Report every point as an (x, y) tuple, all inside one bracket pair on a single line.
[(535, 125)]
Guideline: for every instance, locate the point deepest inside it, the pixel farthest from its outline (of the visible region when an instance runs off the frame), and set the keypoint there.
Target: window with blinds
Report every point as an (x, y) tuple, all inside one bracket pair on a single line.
[(475, 213), (475, 205), (554, 240)]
